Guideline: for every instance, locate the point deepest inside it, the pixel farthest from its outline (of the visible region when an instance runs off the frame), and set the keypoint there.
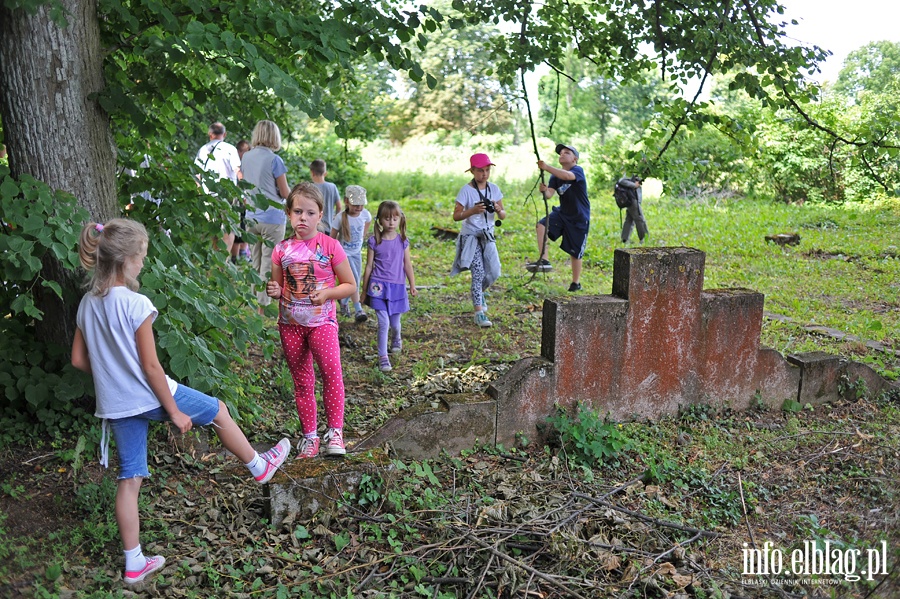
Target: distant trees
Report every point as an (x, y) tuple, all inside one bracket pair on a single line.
[(841, 144), (460, 92), (606, 47), (873, 68), (854, 152), (871, 80), (584, 100)]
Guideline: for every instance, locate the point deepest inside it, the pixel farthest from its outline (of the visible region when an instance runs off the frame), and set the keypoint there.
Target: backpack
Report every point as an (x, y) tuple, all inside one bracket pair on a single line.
[(625, 193)]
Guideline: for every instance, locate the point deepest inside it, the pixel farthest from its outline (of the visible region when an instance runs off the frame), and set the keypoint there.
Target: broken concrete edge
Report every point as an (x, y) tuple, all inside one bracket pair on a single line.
[(449, 424), (827, 378)]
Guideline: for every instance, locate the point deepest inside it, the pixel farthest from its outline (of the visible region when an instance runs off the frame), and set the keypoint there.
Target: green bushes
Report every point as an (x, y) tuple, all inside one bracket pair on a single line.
[(207, 311), (318, 141)]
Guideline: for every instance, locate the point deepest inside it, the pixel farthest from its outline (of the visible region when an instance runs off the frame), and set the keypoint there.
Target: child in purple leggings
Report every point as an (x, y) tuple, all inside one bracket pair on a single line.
[(388, 267)]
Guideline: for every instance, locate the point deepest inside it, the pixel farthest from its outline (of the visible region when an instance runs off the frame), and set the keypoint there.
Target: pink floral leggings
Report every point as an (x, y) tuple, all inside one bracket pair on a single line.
[(301, 345)]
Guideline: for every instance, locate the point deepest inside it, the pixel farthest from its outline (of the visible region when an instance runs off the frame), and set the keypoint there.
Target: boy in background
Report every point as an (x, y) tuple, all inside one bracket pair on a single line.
[(317, 172), (570, 220), (634, 214)]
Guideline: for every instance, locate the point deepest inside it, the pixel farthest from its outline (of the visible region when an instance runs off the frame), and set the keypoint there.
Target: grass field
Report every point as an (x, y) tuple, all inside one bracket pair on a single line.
[(844, 274)]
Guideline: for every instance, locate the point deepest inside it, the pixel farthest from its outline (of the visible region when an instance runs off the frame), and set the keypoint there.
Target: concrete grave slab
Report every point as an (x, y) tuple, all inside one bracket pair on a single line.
[(657, 343)]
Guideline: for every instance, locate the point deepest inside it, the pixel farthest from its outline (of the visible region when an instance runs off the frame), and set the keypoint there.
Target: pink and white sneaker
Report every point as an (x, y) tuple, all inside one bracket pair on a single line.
[(153, 564), (274, 458), (334, 443), (308, 448)]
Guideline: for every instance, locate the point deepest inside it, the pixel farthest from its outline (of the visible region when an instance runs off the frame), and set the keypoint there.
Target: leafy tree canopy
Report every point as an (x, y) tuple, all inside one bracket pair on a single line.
[(683, 41), (586, 99), (874, 67), (176, 63)]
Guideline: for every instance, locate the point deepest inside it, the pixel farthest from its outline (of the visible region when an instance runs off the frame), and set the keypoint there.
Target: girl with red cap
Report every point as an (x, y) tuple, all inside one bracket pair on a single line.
[(478, 204)]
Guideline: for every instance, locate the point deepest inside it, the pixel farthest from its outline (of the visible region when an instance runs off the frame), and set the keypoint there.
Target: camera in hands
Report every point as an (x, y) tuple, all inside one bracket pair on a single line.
[(491, 209)]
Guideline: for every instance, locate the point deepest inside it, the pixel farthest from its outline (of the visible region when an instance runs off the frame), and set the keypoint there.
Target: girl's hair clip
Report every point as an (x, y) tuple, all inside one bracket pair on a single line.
[(98, 227)]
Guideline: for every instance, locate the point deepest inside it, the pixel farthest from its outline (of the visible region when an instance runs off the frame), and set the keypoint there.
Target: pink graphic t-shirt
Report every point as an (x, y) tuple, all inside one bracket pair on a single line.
[(307, 265)]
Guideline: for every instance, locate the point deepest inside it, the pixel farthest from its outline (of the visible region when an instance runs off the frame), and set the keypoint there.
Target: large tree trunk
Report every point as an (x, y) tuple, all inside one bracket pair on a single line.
[(54, 128)]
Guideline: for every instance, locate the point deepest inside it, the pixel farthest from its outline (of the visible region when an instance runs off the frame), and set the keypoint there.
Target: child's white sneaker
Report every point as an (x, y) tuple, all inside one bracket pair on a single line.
[(274, 458), (481, 320)]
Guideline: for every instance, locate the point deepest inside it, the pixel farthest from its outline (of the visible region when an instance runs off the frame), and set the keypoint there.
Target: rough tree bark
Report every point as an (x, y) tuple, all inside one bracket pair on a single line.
[(54, 127)]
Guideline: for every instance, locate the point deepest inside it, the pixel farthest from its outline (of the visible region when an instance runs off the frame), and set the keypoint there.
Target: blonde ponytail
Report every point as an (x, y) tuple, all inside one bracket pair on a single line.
[(103, 250), (345, 226)]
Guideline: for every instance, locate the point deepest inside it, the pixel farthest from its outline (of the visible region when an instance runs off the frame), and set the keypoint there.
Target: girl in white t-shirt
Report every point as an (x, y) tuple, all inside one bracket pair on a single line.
[(477, 205), (351, 227), (114, 343)]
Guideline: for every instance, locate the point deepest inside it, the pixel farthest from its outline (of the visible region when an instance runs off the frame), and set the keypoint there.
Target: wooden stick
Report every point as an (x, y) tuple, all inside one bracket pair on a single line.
[(639, 516)]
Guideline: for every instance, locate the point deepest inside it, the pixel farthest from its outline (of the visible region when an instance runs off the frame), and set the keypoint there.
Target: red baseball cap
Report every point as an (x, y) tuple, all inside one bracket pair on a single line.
[(480, 161)]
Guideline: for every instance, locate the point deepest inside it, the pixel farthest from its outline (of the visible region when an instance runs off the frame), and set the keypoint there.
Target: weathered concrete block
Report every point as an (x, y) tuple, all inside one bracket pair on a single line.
[(587, 337), (525, 397), (819, 377), (662, 327), (303, 488), (452, 424), (854, 372), (776, 379), (642, 274), (730, 328)]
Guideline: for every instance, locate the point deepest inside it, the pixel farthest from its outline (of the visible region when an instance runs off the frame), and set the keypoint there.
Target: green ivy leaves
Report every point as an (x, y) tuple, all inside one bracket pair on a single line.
[(587, 438)]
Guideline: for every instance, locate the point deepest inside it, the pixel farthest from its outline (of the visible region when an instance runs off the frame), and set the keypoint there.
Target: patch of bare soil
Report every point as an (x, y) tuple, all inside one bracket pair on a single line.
[(28, 478)]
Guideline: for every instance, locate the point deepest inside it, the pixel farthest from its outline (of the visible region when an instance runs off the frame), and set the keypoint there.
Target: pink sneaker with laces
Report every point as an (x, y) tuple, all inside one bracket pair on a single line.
[(334, 443), (153, 564), (274, 458), (308, 448)]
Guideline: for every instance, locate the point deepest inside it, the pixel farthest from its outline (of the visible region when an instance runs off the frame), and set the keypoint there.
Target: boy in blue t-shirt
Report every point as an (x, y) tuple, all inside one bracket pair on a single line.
[(570, 220)]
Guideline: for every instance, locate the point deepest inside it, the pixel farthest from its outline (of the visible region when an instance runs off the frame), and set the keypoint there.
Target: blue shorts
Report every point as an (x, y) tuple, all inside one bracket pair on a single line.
[(574, 235), (131, 432)]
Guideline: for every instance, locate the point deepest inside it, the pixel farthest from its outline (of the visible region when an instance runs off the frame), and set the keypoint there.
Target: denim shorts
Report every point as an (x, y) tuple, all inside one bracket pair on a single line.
[(131, 432)]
